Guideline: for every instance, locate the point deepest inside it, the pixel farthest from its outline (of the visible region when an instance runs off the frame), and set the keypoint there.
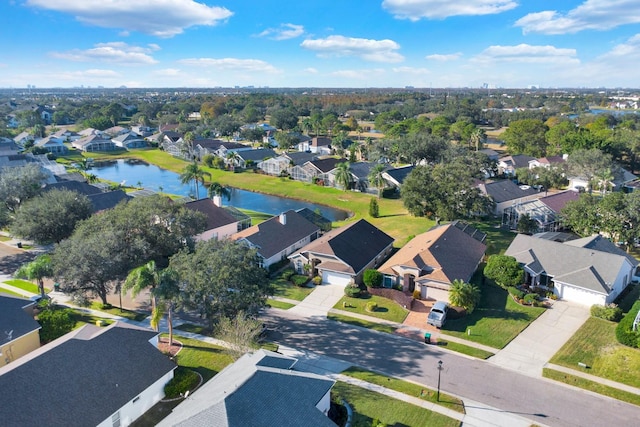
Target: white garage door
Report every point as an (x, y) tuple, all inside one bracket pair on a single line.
[(435, 294), (581, 296), (333, 278)]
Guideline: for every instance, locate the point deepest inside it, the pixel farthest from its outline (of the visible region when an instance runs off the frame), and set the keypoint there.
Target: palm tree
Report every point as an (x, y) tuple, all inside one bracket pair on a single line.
[(217, 189), (37, 270), (478, 138), (376, 179), (343, 175), (605, 178), (141, 278), (195, 173), (465, 295), (233, 158), (168, 294)]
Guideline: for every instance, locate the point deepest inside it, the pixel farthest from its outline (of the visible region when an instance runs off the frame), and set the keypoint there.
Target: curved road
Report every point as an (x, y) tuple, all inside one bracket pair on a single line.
[(540, 400)]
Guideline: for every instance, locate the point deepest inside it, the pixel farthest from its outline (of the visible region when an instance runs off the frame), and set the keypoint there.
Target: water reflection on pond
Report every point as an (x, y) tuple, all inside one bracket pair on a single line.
[(137, 173)]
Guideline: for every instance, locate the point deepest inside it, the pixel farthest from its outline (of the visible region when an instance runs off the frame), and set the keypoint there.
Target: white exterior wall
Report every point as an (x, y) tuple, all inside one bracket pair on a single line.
[(625, 276), (286, 252), (218, 233), (579, 295), (140, 404), (325, 403)]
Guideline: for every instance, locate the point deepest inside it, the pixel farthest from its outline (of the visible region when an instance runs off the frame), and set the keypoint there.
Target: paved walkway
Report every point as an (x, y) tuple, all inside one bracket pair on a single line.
[(535, 346), (319, 301)]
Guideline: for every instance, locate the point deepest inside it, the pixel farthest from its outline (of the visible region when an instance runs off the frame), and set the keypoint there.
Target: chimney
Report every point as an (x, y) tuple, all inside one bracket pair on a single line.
[(217, 200), (283, 218)]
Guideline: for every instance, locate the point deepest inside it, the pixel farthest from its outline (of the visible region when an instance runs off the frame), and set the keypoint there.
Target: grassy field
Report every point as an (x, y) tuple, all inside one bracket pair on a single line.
[(25, 285), (368, 406), (465, 349), (496, 321), (498, 239), (362, 323), (279, 304), (128, 314), (591, 386), (406, 387), (595, 344), (286, 289), (387, 309)]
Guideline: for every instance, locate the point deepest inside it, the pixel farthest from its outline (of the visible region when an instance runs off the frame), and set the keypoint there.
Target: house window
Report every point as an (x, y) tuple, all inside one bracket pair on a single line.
[(115, 419), (388, 282)]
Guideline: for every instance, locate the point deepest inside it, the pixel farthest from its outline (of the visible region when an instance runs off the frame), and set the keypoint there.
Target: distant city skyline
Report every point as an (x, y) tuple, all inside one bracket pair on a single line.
[(357, 43)]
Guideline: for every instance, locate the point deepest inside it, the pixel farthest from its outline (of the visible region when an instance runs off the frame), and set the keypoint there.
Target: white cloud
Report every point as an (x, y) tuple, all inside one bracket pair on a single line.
[(116, 52), (162, 18), (367, 49), (444, 57), (233, 64), (415, 10), (358, 74), (411, 70), (311, 70), (590, 15), (284, 32), (167, 72), (524, 53)]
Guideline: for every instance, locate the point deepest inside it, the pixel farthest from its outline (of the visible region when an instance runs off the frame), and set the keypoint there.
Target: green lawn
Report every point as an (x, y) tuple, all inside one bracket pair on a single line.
[(256, 217), (362, 323), (279, 304), (195, 329), (83, 318), (465, 349), (286, 289), (583, 383), (25, 285), (496, 321), (8, 292), (368, 406), (595, 344), (498, 239), (207, 359), (387, 309), (406, 387), (128, 314), (4, 238)]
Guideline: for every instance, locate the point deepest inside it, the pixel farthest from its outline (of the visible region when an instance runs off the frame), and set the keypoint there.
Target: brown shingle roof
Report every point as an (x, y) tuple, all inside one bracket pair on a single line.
[(216, 216)]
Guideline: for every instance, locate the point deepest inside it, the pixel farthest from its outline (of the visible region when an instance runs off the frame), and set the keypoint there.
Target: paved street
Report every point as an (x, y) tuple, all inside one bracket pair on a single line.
[(542, 401)]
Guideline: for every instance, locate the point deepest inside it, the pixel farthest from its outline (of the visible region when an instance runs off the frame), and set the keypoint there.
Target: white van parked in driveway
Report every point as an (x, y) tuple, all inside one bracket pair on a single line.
[(438, 314)]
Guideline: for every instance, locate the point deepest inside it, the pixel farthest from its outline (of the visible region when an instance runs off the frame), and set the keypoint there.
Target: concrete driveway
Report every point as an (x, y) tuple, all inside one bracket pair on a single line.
[(536, 345)]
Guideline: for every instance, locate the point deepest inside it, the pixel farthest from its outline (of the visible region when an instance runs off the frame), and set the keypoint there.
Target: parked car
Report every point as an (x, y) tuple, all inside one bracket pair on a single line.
[(438, 314)]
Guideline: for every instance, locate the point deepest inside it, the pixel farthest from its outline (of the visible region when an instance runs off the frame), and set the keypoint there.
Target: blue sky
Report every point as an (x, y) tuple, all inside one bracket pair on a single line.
[(329, 43)]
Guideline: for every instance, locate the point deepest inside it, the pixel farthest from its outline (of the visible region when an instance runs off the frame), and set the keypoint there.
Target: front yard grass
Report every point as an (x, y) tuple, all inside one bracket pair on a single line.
[(286, 289), (25, 285), (362, 323), (496, 321), (406, 387), (204, 358), (593, 386), (595, 345), (128, 314), (465, 349), (386, 308), (8, 292), (368, 406), (279, 304)]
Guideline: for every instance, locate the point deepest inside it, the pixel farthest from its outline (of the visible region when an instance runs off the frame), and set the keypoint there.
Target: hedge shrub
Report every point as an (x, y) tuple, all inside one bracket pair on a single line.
[(352, 290), (372, 278), (530, 298), (286, 274), (624, 331), (611, 312), (183, 379), (55, 323), (299, 279), (371, 306)]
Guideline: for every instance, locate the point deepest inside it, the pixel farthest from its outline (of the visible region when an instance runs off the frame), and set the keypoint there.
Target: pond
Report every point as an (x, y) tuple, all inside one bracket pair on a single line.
[(141, 174)]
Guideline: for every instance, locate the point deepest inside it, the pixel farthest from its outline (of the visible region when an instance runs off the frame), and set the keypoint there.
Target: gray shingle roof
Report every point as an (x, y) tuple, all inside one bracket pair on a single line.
[(77, 186), (108, 200), (14, 320), (569, 262), (216, 216), (81, 379), (248, 393), (504, 190), (257, 154), (272, 236), (399, 174)]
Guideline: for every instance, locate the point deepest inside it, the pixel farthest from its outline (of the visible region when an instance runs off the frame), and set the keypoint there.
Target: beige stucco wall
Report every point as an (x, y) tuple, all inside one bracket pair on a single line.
[(19, 347)]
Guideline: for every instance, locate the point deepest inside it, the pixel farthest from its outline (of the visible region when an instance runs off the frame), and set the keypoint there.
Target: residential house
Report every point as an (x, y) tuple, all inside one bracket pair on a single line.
[(621, 179), (303, 144), (506, 193), (258, 390), (318, 170), (491, 154), (396, 176), (431, 261), (65, 135), (508, 165), (360, 172), (275, 166), (217, 147), (316, 218), (81, 187), (342, 255), (320, 145), (220, 223), (93, 143), (9, 148), (129, 140), (279, 237), (114, 131), (588, 271), (143, 131), (548, 162), (545, 211), (300, 157), (90, 377), (52, 145), (631, 186), (245, 158), (23, 137), (18, 329), (107, 200)]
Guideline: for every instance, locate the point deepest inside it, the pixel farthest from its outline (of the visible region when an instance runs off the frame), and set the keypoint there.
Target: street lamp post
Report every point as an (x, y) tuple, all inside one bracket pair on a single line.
[(440, 368)]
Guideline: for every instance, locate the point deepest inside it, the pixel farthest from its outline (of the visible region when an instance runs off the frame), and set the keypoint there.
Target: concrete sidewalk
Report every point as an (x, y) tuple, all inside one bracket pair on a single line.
[(535, 346), (476, 414)]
